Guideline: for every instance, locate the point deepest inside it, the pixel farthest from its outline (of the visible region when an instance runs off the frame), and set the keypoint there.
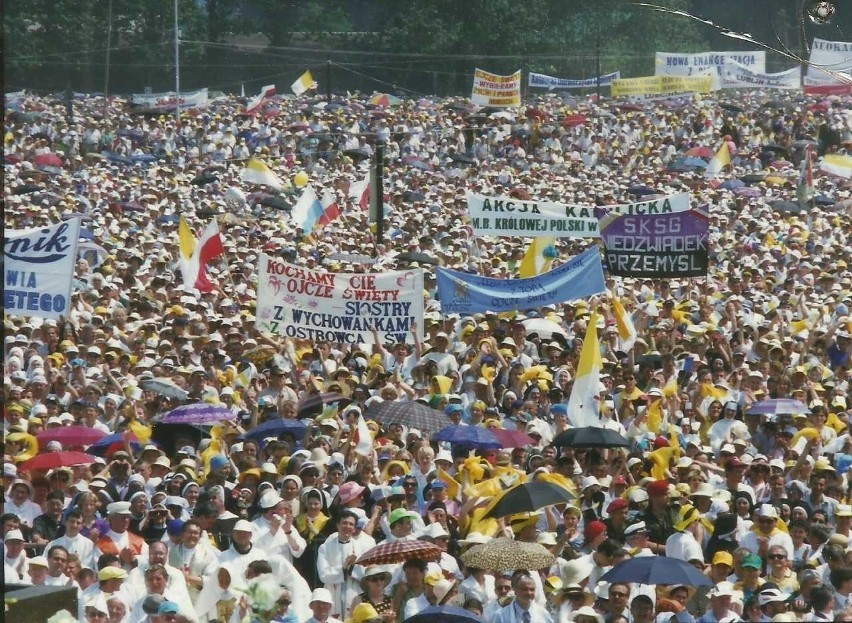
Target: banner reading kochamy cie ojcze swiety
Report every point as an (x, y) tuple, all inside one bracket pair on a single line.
[(656, 245), (39, 269), (505, 216), (340, 307), (464, 293)]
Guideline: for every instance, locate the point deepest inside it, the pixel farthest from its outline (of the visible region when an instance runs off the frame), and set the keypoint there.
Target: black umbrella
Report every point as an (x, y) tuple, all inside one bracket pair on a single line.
[(43, 136), (416, 256), (822, 200), (529, 497), (788, 207), (131, 206), (275, 201), (444, 614), (590, 437), (25, 189), (413, 195), (114, 157), (207, 212), (656, 361), (412, 414), (276, 427), (753, 178), (166, 435), (463, 159), (731, 107), (315, 403), (205, 178), (357, 153), (641, 190)]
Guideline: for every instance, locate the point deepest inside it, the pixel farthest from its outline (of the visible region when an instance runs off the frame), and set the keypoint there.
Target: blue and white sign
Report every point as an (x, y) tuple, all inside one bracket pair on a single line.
[(39, 266), (469, 294), (549, 82)]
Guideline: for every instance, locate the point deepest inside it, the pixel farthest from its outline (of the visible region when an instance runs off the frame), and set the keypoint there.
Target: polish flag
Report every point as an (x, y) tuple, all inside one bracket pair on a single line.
[(359, 192), (195, 255), (254, 104), (330, 209)]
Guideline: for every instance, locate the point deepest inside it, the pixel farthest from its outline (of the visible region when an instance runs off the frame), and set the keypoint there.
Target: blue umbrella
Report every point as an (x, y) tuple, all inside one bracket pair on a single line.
[(468, 437), (85, 234), (656, 570), (444, 614), (145, 158), (694, 161), (276, 427), (778, 406), (114, 157), (198, 413), (732, 184)]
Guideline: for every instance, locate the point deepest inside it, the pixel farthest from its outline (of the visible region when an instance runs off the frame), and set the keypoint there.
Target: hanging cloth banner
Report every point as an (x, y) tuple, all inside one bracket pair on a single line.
[(506, 216), (166, 100), (695, 64), (464, 293), (736, 76), (657, 85), (494, 90), (302, 303), (656, 245), (829, 56), (549, 82), (39, 269)]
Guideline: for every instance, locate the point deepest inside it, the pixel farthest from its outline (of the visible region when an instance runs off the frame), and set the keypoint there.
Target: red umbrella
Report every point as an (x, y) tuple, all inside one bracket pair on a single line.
[(400, 551), (50, 460), (573, 120), (512, 438), (701, 152), (47, 160), (70, 435)]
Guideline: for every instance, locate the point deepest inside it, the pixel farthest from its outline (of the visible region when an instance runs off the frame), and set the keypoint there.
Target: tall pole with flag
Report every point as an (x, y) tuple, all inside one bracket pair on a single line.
[(177, 67), (805, 189), (583, 403)]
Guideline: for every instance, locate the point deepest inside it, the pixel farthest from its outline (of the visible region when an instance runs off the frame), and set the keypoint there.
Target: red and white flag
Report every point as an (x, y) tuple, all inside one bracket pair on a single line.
[(359, 192), (195, 255), (254, 104), (330, 209)]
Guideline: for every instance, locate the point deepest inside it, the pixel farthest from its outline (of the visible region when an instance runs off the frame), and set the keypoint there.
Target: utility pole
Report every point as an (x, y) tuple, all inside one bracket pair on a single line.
[(598, 67), (177, 67), (106, 72), (69, 104), (377, 198), (328, 80)]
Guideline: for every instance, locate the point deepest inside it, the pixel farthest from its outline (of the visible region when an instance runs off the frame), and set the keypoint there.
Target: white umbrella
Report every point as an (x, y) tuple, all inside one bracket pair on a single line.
[(544, 328)]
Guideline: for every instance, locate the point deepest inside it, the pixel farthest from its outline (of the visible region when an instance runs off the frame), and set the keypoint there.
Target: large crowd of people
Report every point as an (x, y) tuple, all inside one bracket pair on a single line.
[(174, 522)]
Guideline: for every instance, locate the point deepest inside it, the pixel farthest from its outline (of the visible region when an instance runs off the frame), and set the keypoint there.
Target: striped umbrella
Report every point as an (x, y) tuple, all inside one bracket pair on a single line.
[(400, 551)]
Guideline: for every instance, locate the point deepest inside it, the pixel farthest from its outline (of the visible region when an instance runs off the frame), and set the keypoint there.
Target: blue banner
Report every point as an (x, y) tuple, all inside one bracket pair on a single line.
[(463, 293), (549, 82)]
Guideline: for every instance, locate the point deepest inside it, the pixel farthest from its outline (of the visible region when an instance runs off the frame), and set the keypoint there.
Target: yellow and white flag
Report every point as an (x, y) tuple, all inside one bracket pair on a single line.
[(583, 404), (838, 165), (719, 161), (624, 323), (256, 172), (304, 83), (538, 258)]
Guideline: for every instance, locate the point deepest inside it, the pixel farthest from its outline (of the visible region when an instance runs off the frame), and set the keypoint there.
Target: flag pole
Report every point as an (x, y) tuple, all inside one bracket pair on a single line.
[(177, 67)]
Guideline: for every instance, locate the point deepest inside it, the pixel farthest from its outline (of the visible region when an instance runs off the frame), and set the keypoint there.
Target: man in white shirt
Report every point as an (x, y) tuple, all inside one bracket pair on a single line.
[(523, 608), (118, 540), (157, 555), (273, 530), (193, 558), (336, 561), (74, 542), (766, 534), (57, 560), (683, 544), (242, 551), (321, 604)]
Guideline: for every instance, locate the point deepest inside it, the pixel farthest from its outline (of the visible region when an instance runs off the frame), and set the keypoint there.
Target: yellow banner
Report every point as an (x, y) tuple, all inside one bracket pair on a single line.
[(495, 90), (657, 85)]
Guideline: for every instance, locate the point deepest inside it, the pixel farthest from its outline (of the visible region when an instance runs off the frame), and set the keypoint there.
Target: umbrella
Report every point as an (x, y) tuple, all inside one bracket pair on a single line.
[(693, 161), (590, 437), (544, 328), (47, 160), (444, 614), (276, 427), (776, 149), (164, 387), (533, 113), (27, 188), (747, 191), (204, 178), (131, 206), (70, 435), (260, 354), (778, 406), (384, 99), (641, 190), (411, 414), (753, 178), (411, 195), (529, 497), (700, 151), (275, 201), (50, 460), (503, 554), (467, 437), (358, 153), (822, 200), (315, 402), (463, 159), (731, 107), (144, 158), (732, 184), (112, 443), (511, 438), (198, 413), (786, 206), (399, 551), (572, 120), (167, 435), (114, 157), (416, 256), (417, 163), (656, 570)]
